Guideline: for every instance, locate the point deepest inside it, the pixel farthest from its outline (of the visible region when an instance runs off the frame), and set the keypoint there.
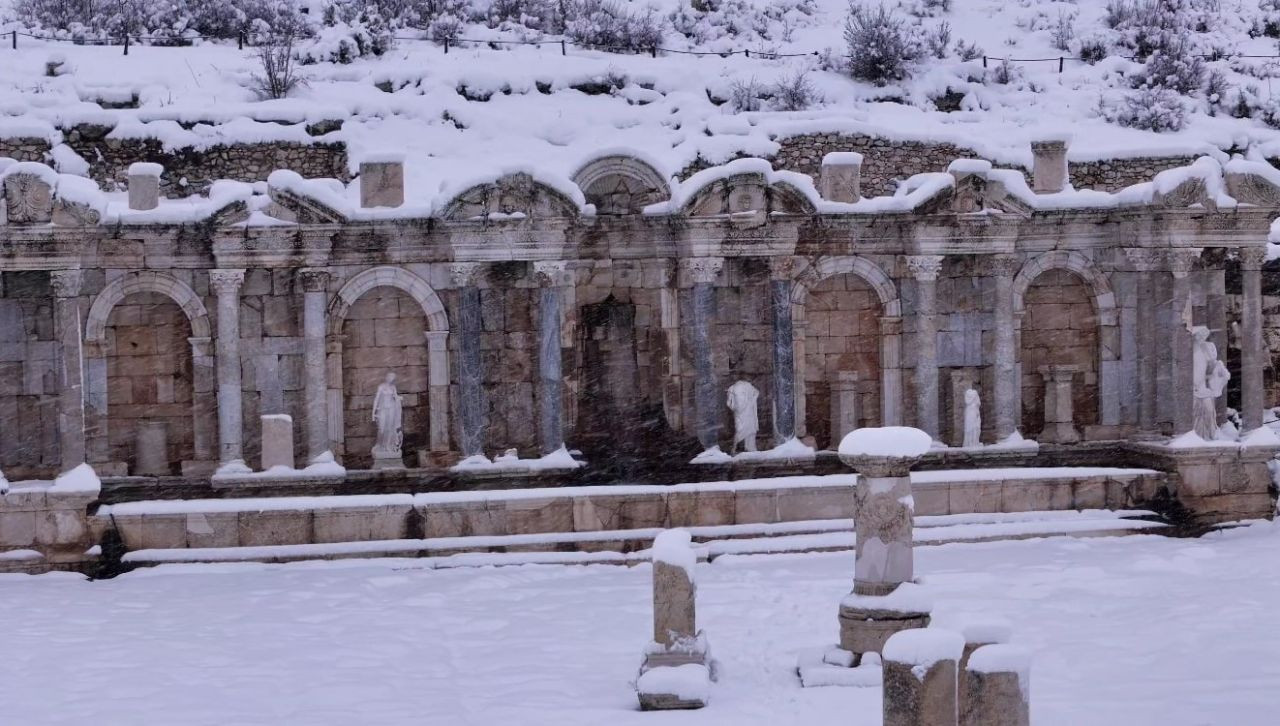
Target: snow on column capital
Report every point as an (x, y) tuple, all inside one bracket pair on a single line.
[(887, 451), (382, 180)]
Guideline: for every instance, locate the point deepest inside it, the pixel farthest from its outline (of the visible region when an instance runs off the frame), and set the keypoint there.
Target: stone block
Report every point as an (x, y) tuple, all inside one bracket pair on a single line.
[(981, 497), (699, 508), (1089, 493), (1199, 479), (62, 529), (755, 506), (1016, 496), (161, 532), (382, 182), (144, 186), (805, 503), (213, 529), (462, 519), (281, 527), (996, 691), (17, 529), (920, 678), (277, 441), (931, 501), (360, 524), (539, 516)]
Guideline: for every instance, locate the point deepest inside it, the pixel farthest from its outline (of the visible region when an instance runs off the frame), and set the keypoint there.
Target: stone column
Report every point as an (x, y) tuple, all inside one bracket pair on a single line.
[(677, 642), (1252, 359), (67, 331), (1180, 264), (438, 390), (884, 558), (997, 690), (315, 286), (925, 269), (470, 370), (844, 406), (204, 386), (553, 277), (890, 370), (702, 273), (784, 355), (1147, 263), (1003, 269), (1059, 409), (226, 284), (920, 678)]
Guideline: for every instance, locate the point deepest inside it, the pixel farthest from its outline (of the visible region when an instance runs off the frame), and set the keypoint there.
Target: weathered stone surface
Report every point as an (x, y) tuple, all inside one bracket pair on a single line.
[(382, 183), (277, 441), (920, 678), (996, 688)]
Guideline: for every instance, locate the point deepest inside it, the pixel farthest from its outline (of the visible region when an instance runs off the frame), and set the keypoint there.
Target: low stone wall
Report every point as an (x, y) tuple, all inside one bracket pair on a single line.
[(24, 148), (42, 529), (1109, 175)]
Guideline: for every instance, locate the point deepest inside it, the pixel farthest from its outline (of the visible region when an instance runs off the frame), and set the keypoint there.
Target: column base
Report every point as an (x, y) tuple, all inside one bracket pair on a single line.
[(676, 677), (381, 462), (199, 468), (866, 629), (1059, 433)]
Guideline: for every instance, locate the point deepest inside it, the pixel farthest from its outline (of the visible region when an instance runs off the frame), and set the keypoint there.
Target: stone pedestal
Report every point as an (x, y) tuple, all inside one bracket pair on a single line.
[(1049, 173), (841, 177), (979, 635), (144, 186), (844, 406), (883, 512), (920, 678), (1059, 413), (388, 460), (151, 449), (1221, 483), (997, 691), (678, 653), (382, 182), (277, 441)]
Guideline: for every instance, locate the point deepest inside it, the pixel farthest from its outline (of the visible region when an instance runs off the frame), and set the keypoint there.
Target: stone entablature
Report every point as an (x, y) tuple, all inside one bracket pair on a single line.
[(523, 316)]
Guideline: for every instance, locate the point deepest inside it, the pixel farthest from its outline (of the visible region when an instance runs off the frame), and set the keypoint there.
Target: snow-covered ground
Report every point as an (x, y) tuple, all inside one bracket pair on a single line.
[(1127, 631)]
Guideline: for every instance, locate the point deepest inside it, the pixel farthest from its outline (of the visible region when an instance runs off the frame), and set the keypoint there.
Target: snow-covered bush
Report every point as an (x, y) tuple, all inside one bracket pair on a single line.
[(1148, 108), (173, 21), (969, 51), (350, 29), (278, 74), (939, 40), (606, 24), (1093, 49), (881, 49), (446, 27), (705, 21), (746, 95), (1063, 31), (794, 92), (1173, 64)]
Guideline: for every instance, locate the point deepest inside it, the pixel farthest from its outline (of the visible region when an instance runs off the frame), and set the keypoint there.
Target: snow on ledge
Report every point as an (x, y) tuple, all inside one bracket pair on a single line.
[(510, 462), (80, 480)]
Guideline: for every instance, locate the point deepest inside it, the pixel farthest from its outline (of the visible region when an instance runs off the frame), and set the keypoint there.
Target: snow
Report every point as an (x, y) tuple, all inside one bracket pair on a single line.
[(842, 158), (688, 682), (674, 547), (909, 597), (343, 642), (898, 441), (923, 646), (510, 462), (1261, 436), (987, 631), (145, 168), (80, 480), (4, 484), (1001, 659)]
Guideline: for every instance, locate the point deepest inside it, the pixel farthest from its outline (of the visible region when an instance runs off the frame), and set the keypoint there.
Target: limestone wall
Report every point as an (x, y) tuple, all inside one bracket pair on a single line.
[(1059, 328), (28, 386), (841, 334), (24, 148)]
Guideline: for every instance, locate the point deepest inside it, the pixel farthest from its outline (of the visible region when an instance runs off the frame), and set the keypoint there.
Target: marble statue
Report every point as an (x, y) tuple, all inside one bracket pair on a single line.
[(1209, 378), (387, 414), (972, 418), (746, 423)]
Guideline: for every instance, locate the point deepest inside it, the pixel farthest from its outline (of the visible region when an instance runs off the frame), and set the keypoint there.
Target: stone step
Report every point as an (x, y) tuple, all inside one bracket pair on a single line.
[(630, 546)]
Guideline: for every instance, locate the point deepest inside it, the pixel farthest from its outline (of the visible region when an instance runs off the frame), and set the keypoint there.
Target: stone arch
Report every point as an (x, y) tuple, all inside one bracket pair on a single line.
[(621, 184), (1104, 337), (435, 339), (145, 281), (98, 350), (890, 329)]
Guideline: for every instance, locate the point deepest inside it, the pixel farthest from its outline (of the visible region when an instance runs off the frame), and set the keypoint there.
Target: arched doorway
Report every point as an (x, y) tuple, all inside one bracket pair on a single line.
[(1059, 328)]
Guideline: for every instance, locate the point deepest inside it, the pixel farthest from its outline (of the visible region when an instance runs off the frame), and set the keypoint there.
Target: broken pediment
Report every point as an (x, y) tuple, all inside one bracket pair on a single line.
[(621, 185), (514, 196)]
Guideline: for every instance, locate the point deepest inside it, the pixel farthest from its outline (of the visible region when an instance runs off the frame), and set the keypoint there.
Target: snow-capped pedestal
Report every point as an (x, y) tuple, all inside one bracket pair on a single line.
[(996, 687), (676, 672), (920, 677)]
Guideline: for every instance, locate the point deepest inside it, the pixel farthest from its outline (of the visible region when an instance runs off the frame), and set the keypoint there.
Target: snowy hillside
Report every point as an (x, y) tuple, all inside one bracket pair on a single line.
[(483, 108)]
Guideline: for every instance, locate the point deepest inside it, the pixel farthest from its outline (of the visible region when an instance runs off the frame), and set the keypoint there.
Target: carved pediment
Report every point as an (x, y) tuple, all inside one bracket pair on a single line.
[(511, 197), (28, 199), (747, 197), (1253, 189), (975, 194), (1190, 191), (74, 214), (621, 185), (292, 207)]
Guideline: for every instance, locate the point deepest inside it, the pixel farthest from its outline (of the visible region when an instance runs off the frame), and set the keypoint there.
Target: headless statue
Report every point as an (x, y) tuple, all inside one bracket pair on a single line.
[(1209, 378), (972, 418), (746, 423)]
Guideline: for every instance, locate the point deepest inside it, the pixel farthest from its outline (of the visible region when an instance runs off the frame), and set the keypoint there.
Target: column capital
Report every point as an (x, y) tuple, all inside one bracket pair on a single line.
[(552, 273), (66, 283), (923, 267), (1181, 261), (200, 347), (1004, 265), (702, 270), (226, 281), (1145, 259), (313, 280), (465, 274), (890, 324), (437, 339), (783, 268), (1252, 258)]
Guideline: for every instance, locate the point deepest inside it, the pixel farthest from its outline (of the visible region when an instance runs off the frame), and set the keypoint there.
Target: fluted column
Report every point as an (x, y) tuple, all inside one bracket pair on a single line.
[(702, 273), (1252, 359), (1003, 268), (925, 269), (1180, 264), (67, 330), (784, 355), (470, 372), (553, 277), (226, 284), (315, 286)]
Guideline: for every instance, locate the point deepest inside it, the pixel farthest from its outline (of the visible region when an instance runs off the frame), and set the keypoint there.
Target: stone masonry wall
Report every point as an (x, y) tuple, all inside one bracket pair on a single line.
[(842, 333), (270, 354), (1060, 327), (508, 351), (28, 388), (24, 148)]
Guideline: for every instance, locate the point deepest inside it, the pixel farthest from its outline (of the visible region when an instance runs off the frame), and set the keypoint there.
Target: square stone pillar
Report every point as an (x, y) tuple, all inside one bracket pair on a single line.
[(995, 687), (841, 177), (1147, 265), (144, 186), (1059, 407), (1049, 173), (315, 301), (920, 669), (924, 269), (784, 356), (204, 385), (70, 367), (702, 272), (1252, 358), (470, 366), (679, 650), (382, 182), (226, 285), (844, 406), (553, 277), (1003, 268)]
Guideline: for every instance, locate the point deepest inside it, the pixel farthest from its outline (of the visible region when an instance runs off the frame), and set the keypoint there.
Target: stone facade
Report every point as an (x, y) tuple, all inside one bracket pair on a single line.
[(516, 321)]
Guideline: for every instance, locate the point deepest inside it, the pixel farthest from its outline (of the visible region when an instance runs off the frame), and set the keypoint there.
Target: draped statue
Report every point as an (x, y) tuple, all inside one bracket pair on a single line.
[(746, 423), (1209, 378), (387, 415)]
